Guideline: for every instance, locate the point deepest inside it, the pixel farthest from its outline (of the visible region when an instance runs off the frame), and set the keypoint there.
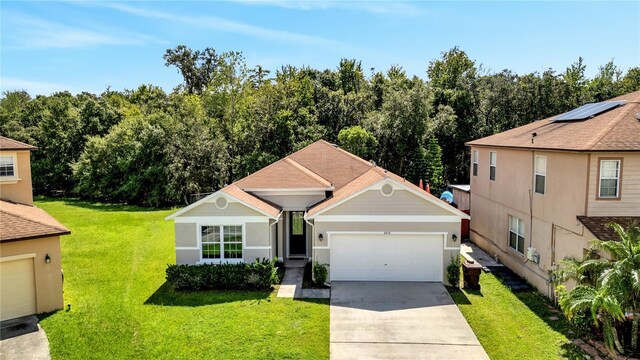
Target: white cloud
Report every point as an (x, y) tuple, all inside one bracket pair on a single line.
[(32, 87), (220, 24), (30, 32), (374, 7)]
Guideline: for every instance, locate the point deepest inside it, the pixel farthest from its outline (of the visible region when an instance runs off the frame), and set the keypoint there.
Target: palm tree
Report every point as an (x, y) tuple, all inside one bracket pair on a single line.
[(609, 289)]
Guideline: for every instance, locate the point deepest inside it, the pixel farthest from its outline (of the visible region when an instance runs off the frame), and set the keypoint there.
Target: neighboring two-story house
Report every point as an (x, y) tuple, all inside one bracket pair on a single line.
[(30, 264), (542, 191)]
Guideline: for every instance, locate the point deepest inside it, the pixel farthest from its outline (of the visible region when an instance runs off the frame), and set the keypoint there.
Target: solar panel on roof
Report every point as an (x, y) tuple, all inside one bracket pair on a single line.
[(589, 110)]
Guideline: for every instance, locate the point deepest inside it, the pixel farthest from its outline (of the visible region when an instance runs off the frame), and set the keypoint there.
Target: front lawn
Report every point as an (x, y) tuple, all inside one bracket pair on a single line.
[(515, 325), (114, 266)]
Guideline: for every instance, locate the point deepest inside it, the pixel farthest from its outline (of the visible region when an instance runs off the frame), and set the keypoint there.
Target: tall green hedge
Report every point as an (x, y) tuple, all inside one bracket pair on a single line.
[(260, 275)]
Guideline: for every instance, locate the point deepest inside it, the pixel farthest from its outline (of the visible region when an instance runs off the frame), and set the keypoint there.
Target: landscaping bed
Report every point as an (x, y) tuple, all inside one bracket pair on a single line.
[(307, 280)]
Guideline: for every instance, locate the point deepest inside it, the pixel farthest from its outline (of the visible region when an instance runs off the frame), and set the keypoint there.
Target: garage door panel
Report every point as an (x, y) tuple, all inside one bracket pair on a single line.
[(17, 289), (386, 257)]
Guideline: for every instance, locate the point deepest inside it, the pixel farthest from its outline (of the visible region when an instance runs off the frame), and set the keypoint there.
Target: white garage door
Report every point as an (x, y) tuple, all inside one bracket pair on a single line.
[(17, 289), (386, 257)]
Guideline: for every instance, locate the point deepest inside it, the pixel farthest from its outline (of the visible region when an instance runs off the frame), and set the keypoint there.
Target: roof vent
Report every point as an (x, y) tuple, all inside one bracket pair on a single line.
[(638, 115), (588, 111), (373, 163)]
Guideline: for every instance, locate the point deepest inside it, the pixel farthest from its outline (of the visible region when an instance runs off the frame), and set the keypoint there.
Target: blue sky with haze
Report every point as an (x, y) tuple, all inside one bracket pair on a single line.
[(50, 46)]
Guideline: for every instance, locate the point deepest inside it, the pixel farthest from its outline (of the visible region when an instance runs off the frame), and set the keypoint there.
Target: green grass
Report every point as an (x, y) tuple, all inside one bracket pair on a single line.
[(515, 325), (114, 265)]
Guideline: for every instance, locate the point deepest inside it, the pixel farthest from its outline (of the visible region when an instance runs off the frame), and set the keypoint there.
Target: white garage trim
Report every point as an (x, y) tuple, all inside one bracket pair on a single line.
[(445, 235), (17, 257), (388, 218), (406, 272)]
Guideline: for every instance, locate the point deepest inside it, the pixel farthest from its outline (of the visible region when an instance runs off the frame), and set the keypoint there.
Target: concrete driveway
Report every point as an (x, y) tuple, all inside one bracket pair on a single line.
[(23, 339), (398, 320)]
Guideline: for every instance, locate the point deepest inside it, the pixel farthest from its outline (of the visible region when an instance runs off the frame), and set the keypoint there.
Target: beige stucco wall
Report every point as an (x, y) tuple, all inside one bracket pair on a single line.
[(550, 220), (20, 191), (48, 277), (372, 202), (629, 202)]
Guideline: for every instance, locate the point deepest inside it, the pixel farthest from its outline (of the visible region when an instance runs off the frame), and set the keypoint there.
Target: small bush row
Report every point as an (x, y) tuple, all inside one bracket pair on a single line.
[(260, 275)]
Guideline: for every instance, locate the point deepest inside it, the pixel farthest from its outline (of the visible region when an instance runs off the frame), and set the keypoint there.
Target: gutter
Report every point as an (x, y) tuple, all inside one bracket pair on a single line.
[(277, 220)]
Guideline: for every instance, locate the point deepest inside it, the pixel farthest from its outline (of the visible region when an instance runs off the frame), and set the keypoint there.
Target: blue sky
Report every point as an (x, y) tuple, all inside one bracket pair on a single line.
[(87, 46)]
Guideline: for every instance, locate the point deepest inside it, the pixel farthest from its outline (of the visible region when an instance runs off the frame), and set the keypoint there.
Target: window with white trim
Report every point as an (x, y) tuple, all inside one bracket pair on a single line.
[(7, 166), (221, 242), (475, 162), (540, 177), (492, 165), (516, 234), (609, 179)]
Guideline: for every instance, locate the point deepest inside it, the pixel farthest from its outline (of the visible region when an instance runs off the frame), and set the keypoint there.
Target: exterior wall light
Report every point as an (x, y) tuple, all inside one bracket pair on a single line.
[(454, 237), (47, 259), (320, 237)]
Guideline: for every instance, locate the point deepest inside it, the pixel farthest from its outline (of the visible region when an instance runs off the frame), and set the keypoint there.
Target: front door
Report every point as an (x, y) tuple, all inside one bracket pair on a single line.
[(297, 234)]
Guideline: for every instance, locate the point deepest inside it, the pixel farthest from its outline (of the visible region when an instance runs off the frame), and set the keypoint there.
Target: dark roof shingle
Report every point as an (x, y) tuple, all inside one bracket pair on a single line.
[(615, 130), (22, 222), (10, 144), (599, 225)]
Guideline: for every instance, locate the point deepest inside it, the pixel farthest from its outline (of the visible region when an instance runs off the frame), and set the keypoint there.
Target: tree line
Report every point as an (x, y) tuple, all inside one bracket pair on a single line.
[(226, 120)]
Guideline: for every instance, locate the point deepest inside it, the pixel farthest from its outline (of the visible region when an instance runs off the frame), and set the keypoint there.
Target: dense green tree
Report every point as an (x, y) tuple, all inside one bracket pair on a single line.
[(228, 120), (452, 80), (435, 170), (358, 141), (196, 67)]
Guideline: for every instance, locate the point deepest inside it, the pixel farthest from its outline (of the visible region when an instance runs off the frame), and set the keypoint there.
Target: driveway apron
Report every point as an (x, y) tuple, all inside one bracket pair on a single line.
[(398, 320)]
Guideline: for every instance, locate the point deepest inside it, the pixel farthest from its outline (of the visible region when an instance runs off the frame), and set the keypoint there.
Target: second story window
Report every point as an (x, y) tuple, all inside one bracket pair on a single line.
[(540, 177), (609, 182), (7, 166), (492, 166), (475, 162)]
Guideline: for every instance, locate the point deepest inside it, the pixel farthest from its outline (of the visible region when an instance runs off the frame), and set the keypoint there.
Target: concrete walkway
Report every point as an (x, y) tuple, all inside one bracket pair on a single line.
[(23, 339), (472, 252), (291, 284), (398, 320)]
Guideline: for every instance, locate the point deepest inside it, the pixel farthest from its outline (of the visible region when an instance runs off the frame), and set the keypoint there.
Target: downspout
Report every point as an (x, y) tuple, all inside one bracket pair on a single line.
[(274, 223), (312, 234)]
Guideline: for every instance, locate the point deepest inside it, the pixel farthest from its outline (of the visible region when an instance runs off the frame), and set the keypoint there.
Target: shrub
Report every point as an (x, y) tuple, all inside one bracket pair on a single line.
[(319, 273), (259, 275), (453, 272)]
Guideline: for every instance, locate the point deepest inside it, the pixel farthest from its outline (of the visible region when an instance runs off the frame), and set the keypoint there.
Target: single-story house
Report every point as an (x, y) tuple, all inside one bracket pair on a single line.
[(327, 205)]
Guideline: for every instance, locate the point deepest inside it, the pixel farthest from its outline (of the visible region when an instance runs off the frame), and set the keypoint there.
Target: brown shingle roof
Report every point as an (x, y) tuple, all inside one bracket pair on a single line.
[(10, 144), (320, 165), (285, 173), (615, 130), (22, 222), (234, 191), (338, 166), (599, 225)]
